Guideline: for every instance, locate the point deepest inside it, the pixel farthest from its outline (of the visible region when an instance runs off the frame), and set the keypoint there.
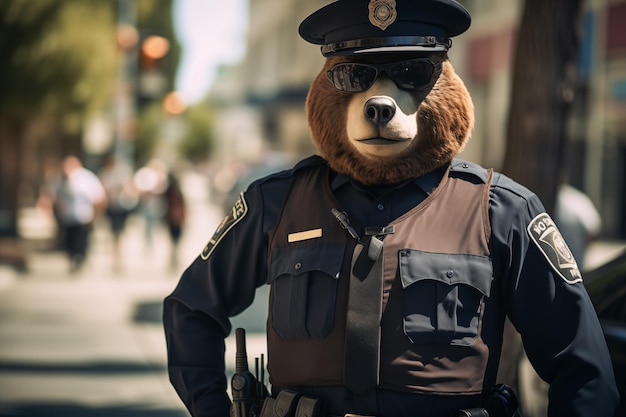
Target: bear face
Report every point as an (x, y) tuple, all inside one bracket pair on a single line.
[(387, 134)]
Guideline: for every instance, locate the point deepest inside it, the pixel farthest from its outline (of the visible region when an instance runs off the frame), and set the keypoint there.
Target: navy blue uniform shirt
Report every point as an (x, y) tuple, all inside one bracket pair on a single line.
[(556, 319)]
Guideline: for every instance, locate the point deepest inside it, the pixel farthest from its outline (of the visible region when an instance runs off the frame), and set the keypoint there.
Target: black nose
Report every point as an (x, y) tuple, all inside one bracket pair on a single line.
[(379, 110)]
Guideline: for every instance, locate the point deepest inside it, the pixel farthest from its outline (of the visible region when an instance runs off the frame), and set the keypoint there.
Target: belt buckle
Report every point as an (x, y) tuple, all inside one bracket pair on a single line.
[(355, 415)]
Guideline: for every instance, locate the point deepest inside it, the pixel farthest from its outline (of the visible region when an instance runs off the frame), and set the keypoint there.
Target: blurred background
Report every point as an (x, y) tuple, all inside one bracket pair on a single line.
[(176, 105)]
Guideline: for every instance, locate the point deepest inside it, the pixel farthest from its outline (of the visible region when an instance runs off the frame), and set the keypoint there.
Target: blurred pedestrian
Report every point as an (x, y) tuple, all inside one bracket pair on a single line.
[(52, 174), (76, 199), (174, 215), (117, 178), (151, 181), (578, 220)]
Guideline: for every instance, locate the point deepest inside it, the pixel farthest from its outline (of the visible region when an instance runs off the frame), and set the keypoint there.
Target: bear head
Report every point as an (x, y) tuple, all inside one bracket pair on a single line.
[(386, 113)]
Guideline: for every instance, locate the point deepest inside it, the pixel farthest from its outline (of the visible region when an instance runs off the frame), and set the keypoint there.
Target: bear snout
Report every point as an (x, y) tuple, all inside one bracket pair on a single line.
[(379, 110)]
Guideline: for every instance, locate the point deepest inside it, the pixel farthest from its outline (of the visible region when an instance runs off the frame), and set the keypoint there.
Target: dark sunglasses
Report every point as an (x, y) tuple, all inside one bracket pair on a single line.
[(412, 74)]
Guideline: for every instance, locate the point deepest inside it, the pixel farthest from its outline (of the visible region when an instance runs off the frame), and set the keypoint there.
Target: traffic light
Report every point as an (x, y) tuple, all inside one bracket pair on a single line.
[(152, 82)]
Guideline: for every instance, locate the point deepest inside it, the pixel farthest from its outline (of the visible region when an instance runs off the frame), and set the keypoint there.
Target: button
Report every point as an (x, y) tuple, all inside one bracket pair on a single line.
[(465, 165), (380, 207), (450, 273), (298, 265)]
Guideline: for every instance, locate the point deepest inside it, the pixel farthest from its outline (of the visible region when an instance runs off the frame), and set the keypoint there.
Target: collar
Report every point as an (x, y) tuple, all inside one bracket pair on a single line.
[(427, 183)]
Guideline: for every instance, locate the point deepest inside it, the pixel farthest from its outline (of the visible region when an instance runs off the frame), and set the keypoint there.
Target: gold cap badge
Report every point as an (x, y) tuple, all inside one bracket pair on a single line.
[(382, 13)]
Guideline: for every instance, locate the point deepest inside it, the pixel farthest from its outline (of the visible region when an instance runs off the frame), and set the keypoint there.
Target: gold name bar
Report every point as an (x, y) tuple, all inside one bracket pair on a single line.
[(306, 235)]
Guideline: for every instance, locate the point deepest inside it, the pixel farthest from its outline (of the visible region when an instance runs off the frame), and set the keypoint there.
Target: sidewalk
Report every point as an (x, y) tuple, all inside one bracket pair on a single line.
[(92, 344)]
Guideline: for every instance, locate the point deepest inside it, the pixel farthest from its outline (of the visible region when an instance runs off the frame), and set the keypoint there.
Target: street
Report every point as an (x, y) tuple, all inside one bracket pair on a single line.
[(91, 343)]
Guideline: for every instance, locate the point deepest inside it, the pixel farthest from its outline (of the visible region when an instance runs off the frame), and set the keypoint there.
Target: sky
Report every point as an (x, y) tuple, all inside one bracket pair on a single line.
[(210, 32)]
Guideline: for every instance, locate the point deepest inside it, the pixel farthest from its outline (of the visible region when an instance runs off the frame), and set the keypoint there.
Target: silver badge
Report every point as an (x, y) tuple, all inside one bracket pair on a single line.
[(382, 13), (550, 242)]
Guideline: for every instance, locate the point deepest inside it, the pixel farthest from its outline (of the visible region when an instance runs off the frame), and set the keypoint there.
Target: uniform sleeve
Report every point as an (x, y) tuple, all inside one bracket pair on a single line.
[(220, 283), (547, 303)]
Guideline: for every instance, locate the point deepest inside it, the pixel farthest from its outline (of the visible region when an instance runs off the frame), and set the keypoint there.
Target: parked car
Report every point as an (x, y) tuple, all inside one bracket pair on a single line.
[(606, 286)]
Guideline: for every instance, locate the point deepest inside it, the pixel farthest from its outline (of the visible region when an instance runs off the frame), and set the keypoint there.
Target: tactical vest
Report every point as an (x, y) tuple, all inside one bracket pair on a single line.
[(437, 278)]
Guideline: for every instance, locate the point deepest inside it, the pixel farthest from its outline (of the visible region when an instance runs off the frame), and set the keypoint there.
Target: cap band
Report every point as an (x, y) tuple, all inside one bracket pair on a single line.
[(427, 43)]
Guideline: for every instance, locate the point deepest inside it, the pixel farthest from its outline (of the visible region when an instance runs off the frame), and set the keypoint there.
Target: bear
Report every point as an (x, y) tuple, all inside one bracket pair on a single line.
[(429, 127), (392, 263)]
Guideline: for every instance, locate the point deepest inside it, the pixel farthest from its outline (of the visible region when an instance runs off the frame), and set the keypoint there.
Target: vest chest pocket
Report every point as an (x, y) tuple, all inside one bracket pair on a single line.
[(443, 296), (304, 290)]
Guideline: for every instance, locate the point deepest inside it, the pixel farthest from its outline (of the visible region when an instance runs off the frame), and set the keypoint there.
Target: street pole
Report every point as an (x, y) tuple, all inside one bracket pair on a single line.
[(125, 106)]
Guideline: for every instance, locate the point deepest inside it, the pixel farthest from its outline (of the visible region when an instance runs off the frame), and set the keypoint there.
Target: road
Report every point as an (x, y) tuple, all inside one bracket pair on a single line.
[(91, 343)]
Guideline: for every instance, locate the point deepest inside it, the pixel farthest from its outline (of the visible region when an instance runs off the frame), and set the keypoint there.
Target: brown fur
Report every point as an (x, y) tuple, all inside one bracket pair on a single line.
[(445, 119)]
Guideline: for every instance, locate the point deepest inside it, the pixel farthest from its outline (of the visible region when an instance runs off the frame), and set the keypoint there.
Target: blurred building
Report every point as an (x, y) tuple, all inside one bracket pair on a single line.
[(265, 93)]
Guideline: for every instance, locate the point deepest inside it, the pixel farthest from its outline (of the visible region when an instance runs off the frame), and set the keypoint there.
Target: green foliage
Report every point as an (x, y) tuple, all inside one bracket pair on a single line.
[(58, 56), (198, 142), (148, 131), (195, 143)]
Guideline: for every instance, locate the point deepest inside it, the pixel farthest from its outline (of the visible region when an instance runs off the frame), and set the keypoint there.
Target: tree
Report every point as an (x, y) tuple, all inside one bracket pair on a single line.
[(541, 97), (57, 64), (543, 85), (198, 141)]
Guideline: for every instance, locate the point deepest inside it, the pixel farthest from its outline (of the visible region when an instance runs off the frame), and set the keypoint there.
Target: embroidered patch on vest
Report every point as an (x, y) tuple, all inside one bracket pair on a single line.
[(237, 213), (550, 242)]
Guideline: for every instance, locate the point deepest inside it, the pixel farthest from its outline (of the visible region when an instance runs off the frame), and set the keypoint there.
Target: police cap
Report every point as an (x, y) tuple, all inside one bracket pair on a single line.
[(346, 27)]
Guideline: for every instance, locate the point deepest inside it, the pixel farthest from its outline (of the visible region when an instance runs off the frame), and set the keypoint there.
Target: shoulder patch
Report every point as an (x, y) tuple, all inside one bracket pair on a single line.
[(544, 233), (237, 213)]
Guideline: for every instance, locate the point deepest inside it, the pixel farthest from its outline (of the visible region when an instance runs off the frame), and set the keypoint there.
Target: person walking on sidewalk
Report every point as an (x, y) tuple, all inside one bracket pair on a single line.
[(174, 215), (75, 199), (122, 199)]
